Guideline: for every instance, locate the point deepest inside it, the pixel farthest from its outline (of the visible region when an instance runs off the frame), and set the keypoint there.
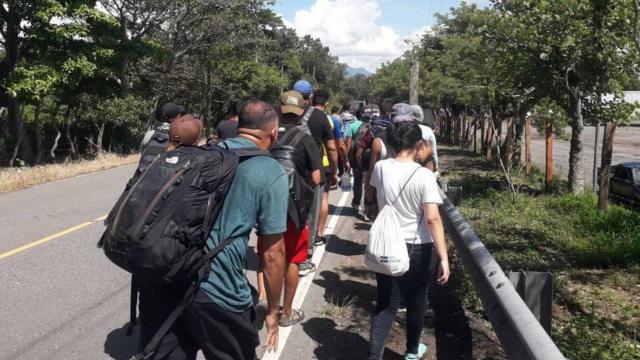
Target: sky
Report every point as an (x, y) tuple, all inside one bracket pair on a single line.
[(364, 33)]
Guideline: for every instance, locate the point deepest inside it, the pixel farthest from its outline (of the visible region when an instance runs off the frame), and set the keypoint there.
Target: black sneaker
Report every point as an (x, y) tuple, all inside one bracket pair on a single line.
[(306, 268), (320, 240)]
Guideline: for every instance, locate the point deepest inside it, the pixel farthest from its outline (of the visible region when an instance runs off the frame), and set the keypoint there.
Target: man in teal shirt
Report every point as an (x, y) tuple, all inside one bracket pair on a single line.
[(220, 320)]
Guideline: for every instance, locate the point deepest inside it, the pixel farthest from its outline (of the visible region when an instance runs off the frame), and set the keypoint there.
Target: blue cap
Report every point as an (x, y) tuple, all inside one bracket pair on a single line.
[(303, 87)]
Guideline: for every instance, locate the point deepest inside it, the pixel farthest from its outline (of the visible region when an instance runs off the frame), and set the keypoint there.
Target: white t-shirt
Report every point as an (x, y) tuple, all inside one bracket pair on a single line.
[(389, 176)]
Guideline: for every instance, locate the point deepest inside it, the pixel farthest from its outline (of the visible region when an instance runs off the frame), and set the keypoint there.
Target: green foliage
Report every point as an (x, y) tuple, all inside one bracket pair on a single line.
[(591, 337), (392, 81), (595, 315), (98, 70), (549, 112)]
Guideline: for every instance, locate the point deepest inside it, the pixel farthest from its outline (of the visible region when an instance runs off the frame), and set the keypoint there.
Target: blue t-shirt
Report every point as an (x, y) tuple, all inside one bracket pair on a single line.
[(337, 127), (257, 198)]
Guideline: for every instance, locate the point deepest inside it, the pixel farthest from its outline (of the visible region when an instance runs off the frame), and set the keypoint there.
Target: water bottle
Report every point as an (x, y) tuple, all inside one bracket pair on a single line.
[(345, 182)]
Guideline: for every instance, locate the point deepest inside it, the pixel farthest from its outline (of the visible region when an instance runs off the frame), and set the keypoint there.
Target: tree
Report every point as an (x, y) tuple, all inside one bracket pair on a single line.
[(581, 48)]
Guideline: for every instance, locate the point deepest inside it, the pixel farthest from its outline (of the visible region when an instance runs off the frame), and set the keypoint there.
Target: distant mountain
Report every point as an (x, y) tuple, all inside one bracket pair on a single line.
[(357, 71)]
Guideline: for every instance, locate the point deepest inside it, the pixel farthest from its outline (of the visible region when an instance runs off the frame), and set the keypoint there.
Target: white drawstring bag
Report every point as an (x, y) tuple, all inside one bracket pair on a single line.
[(386, 251)]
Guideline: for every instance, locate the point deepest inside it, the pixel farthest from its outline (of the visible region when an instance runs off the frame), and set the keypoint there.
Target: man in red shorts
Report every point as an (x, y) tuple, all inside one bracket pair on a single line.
[(304, 155)]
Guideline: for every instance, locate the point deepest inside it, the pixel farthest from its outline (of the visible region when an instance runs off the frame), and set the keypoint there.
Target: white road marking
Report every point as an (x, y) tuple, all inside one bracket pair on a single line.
[(305, 283)]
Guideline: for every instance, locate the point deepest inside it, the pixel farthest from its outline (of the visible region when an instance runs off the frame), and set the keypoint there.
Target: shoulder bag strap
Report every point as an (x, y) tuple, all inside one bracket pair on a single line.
[(403, 186)]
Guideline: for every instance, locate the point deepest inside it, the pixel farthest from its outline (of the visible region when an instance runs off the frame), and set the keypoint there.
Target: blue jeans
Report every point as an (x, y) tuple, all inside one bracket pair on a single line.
[(413, 287)]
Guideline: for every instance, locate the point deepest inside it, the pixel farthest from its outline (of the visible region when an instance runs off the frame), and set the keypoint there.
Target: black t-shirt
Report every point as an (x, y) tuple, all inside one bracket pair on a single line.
[(227, 129), (320, 129)]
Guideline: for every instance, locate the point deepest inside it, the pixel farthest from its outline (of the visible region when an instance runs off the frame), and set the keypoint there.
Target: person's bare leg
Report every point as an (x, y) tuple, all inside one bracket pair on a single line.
[(290, 286), (324, 214)]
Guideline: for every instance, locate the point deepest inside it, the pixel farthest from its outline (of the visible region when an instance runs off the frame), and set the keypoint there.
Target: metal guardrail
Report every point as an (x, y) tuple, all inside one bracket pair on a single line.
[(520, 333)]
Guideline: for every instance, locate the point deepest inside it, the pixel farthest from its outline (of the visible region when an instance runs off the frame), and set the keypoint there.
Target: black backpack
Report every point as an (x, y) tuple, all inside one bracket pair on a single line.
[(156, 145), (158, 227), (300, 192), (382, 135)]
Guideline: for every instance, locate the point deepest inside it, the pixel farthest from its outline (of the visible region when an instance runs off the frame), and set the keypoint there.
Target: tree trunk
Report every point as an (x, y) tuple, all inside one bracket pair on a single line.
[(576, 169), (483, 144), (549, 157), (520, 128), (38, 129), (489, 138), (16, 129), (527, 146), (475, 130), (99, 148), (67, 129), (508, 145), (607, 152), (52, 152)]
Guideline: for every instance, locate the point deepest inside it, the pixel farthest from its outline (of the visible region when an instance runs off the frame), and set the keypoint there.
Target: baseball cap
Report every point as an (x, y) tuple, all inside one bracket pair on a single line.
[(291, 103), (169, 111), (185, 130), (303, 87), (401, 112), (418, 113)]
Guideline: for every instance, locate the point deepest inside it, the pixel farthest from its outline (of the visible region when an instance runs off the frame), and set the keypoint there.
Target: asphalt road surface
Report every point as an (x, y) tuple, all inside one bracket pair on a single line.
[(626, 148), (61, 298)]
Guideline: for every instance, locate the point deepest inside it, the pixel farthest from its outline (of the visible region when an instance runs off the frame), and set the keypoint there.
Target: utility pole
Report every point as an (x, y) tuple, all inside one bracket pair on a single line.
[(414, 81)]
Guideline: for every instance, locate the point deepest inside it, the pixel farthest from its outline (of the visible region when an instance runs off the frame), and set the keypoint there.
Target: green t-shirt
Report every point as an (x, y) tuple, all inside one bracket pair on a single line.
[(257, 198), (353, 129)]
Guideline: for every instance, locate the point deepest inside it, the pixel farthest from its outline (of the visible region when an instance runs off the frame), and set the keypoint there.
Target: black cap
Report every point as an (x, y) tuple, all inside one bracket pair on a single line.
[(169, 111)]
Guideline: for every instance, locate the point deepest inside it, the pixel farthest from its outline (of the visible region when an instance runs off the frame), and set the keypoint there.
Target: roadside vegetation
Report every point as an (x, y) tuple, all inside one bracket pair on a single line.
[(594, 256), (12, 179), (87, 82)]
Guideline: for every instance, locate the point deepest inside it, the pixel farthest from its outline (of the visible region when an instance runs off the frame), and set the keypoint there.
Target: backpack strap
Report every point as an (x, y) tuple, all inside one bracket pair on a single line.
[(307, 115), (292, 137)]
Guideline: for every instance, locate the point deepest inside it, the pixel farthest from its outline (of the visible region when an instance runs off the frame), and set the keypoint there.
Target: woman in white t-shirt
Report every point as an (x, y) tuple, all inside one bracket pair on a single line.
[(417, 206)]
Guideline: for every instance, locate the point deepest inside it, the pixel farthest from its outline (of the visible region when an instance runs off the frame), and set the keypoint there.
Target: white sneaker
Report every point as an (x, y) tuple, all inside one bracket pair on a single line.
[(306, 268)]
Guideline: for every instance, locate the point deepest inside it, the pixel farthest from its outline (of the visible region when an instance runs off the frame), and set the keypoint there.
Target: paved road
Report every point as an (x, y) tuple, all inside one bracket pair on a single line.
[(62, 299), (626, 148)]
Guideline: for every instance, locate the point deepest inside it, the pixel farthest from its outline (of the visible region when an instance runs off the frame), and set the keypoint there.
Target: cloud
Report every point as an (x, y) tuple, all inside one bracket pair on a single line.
[(349, 28)]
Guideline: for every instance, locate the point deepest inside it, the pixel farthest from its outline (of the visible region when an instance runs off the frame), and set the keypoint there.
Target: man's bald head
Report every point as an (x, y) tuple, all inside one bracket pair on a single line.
[(258, 115)]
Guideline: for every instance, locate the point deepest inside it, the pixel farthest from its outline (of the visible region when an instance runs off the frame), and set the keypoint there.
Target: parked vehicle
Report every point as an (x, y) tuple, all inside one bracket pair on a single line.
[(625, 183)]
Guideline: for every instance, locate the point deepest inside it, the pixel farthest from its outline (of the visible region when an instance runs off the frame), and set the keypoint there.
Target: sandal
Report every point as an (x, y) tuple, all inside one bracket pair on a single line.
[(296, 317)]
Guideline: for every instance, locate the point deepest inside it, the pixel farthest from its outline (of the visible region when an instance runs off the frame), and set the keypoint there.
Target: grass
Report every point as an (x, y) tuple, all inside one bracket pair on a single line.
[(340, 310), (594, 257), (12, 179)]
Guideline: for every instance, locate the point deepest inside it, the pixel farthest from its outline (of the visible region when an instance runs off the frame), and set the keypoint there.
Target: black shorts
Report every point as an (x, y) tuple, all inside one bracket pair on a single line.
[(203, 325)]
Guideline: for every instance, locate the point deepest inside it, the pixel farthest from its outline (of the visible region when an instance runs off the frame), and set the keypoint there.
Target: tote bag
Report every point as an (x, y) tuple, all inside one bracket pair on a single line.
[(386, 251)]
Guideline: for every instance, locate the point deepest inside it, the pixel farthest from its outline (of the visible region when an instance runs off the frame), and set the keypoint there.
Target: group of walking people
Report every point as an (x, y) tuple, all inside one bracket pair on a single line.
[(294, 155)]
